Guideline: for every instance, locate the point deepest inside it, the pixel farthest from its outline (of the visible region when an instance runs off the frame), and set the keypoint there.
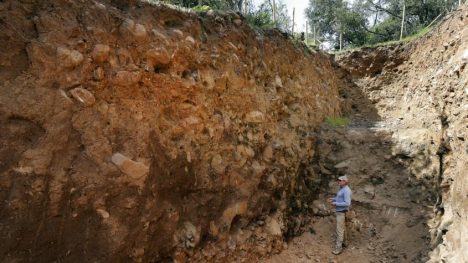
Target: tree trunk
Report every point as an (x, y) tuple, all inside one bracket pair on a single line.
[(403, 20), (273, 7), (376, 14), (315, 32), (240, 4), (292, 31), (341, 40)]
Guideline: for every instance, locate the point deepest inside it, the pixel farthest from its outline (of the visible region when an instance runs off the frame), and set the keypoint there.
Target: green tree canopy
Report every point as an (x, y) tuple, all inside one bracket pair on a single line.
[(371, 21)]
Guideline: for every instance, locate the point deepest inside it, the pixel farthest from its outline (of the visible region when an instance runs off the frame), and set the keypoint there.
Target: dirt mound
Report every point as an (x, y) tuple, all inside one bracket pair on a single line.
[(139, 132)]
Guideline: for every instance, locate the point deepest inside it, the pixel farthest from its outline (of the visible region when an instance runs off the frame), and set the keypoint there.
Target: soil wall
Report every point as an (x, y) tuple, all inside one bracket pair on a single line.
[(421, 88), (140, 132)]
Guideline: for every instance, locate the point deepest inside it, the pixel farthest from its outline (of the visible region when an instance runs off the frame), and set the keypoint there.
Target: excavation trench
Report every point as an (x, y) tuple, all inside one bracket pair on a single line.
[(405, 151), (135, 131), (388, 218)]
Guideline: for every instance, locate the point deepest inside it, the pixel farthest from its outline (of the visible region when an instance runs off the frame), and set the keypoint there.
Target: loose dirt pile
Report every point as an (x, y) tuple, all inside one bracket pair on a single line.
[(143, 133)]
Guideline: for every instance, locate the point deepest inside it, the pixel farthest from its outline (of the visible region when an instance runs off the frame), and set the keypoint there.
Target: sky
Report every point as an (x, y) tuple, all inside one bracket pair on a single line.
[(300, 6)]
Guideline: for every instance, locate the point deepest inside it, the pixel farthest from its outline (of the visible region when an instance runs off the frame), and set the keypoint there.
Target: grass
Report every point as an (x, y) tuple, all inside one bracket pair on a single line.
[(416, 35), (338, 121), (410, 38)]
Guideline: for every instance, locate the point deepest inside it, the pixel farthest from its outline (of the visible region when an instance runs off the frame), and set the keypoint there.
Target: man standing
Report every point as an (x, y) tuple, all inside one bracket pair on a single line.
[(342, 201)]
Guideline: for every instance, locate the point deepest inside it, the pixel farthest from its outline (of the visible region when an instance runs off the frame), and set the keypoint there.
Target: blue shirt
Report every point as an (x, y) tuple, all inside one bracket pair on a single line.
[(343, 199)]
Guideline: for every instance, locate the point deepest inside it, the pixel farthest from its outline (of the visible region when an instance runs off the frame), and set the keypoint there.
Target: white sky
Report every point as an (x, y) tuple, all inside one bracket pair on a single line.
[(300, 6)]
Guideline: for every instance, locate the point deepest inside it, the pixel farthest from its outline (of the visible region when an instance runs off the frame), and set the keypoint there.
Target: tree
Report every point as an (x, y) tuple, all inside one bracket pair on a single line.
[(336, 21), (260, 17)]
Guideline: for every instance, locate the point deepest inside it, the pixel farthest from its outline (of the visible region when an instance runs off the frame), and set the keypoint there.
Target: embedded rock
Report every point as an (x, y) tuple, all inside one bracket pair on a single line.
[(69, 58), (135, 170), (83, 96), (101, 52)]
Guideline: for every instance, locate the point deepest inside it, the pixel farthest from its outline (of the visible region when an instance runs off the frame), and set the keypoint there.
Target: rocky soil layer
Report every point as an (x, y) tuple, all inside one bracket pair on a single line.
[(423, 87), (143, 133)]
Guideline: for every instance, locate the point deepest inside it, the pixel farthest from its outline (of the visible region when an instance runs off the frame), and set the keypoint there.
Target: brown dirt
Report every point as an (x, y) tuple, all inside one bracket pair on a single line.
[(139, 132)]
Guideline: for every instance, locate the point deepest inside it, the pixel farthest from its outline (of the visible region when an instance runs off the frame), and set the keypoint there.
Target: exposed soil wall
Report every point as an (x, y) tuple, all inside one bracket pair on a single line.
[(422, 88), (142, 133)]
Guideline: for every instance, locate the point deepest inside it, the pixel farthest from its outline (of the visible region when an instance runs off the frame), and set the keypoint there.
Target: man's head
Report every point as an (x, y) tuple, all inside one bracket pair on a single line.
[(343, 180)]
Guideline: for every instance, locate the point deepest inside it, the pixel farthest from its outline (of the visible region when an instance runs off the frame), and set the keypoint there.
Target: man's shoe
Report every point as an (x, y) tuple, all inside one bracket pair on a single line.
[(337, 251)]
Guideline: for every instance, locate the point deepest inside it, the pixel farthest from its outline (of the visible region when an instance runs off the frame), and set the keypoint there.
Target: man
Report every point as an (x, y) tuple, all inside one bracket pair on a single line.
[(342, 201)]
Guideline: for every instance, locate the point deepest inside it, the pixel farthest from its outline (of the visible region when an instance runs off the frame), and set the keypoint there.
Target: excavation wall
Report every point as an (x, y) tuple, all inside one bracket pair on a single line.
[(140, 132), (421, 90)]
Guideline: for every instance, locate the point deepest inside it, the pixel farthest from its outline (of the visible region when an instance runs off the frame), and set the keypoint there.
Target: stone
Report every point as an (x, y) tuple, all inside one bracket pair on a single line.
[(69, 58), (238, 208), (217, 164), (213, 230), (83, 96), (343, 164), (191, 235), (268, 153), (190, 40), (278, 82), (319, 208), (257, 169), (271, 179), (100, 52), (98, 74), (134, 170), (177, 32), (160, 36), (245, 150), (369, 190), (126, 78), (126, 27), (465, 56), (139, 32), (255, 117), (273, 227), (158, 56), (237, 22), (131, 30), (103, 213)]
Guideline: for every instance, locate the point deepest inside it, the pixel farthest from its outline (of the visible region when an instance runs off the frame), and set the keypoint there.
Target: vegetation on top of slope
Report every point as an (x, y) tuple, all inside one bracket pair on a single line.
[(342, 24), (407, 39)]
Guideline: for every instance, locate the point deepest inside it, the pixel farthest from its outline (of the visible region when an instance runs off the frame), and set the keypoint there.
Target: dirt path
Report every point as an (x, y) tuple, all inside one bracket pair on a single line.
[(388, 218)]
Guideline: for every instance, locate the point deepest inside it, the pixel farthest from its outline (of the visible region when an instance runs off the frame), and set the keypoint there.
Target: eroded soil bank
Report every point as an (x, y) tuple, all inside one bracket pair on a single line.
[(138, 132)]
